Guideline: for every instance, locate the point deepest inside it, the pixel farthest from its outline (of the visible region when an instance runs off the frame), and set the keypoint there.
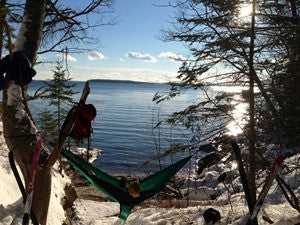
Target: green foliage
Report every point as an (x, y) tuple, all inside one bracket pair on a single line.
[(4, 10), (47, 123), (5, 16), (59, 92), (219, 45)]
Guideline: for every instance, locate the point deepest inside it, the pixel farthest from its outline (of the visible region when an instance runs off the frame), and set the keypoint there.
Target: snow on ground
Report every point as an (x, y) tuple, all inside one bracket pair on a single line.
[(11, 203), (105, 213), (198, 189), (94, 153), (92, 212), (233, 210)]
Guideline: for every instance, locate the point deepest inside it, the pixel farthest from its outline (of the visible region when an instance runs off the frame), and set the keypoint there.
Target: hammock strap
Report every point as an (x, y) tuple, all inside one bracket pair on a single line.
[(20, 184), (30, 187)]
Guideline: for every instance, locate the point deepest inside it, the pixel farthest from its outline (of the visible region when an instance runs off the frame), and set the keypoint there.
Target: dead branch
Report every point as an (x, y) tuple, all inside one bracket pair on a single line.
[(37, 94), (292, 199), (66, 129)]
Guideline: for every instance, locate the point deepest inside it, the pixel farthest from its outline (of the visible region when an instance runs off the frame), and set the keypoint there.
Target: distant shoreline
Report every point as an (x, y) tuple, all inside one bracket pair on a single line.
[(111, 81), (124, 81), (143, 82)]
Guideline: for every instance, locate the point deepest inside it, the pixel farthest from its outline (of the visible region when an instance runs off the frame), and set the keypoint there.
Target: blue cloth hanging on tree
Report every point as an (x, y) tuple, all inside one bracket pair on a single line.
[(16, 68)]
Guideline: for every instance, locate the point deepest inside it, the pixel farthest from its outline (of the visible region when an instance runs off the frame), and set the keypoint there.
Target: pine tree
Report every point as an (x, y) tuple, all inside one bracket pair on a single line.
[(225, 49), (60, 93), (47, 124)]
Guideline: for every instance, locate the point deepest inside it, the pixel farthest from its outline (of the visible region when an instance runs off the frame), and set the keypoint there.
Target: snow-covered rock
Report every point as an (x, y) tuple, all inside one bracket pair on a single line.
[(94, 153)]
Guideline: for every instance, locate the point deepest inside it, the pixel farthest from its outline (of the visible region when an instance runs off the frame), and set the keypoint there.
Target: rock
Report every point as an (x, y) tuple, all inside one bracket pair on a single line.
[(200, 194), (210, 179), (207, 148), (70, 196), (208, 160), (222, 177), (68, 201), (228, 176)]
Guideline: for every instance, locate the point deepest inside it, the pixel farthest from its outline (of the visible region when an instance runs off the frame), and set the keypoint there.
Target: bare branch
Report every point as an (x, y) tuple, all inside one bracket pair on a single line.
[(64, 24), (66, 129)]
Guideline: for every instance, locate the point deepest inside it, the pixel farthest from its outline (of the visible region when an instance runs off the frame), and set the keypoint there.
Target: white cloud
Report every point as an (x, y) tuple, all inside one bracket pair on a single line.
[(146, 57), (93, 55), (122, 60), (63, 57), (71, 58), (172, 56), (122, 73)]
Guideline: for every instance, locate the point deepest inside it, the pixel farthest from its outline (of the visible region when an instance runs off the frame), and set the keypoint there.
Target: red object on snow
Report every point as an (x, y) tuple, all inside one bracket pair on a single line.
[(83, 116)]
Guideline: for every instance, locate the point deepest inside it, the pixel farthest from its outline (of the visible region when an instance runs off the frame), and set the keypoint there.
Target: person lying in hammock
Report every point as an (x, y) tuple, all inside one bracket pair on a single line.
[(133, 187), (137, 190), (128, 194)]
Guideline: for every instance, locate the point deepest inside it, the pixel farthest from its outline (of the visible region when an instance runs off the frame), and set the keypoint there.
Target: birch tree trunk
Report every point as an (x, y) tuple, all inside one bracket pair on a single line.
[(18, 126)]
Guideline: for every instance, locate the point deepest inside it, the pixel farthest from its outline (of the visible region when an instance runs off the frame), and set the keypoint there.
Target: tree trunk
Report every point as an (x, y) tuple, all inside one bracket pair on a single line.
[(18, 126), (58, 128), (296, 69), (2, 18), (251, 133)]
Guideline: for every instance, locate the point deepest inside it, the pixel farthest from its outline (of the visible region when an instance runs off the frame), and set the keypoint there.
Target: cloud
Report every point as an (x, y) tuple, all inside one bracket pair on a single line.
[(71, 58), (122, 60), (93, 55), (123, 73), (146, 57), (172, 56), (62, 57)]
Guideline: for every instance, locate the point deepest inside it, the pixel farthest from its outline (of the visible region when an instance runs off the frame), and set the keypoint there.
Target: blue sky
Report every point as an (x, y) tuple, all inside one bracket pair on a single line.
[(129, 50)]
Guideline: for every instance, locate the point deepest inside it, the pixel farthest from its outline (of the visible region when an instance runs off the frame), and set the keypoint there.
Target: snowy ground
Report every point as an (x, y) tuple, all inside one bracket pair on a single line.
[(94, 153), (87, 212), (233, 210), (11, 205), (103, 213)]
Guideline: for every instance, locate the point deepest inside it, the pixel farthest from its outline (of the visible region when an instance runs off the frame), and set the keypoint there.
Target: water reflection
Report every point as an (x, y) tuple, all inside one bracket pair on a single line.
[(239, 114), (244, 10)]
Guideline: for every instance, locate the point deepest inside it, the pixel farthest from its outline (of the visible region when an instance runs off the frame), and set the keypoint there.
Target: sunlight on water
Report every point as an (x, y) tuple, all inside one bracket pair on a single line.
[(243, 15), (239, 113), (239, 117), (244, 10), (230, 89)]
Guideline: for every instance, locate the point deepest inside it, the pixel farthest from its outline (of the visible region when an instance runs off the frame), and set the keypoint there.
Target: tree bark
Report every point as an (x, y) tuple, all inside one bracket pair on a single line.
[(296, 68), (2, 21), (18, 126), (251, 133)]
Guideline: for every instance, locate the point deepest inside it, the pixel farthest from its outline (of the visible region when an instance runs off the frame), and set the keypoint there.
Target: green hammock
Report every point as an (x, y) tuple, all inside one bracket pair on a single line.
[(111, 186)]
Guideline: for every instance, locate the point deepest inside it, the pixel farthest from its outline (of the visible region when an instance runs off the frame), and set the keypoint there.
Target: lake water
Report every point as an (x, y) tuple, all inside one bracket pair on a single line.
[(125, 116)]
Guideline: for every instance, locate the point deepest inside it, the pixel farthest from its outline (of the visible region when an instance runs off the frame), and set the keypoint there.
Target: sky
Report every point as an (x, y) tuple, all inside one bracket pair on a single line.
[(130, 49)]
